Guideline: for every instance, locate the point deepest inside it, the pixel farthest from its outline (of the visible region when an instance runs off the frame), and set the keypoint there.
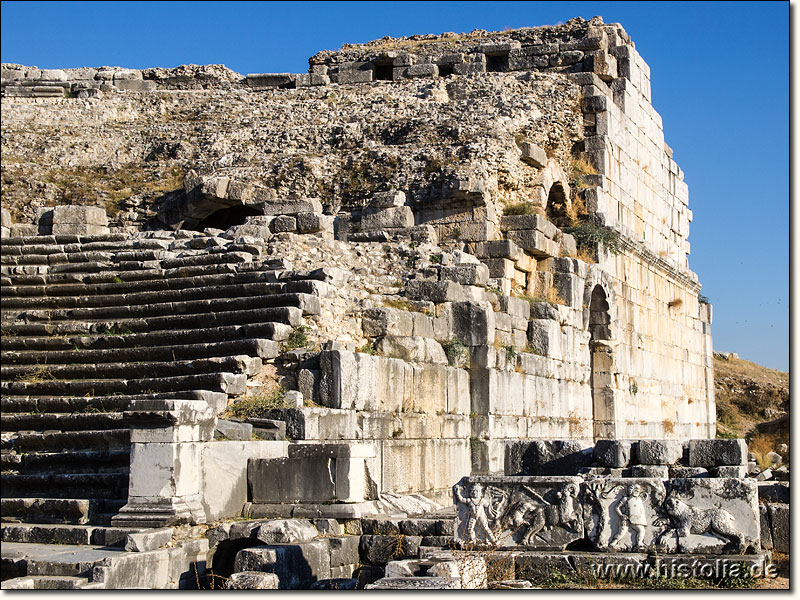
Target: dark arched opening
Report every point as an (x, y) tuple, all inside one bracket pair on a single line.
[(601, 360), (227, 217), (557, 204)]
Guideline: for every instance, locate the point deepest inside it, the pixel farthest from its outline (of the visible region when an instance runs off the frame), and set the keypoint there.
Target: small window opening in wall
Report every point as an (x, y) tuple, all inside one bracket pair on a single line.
[(384, 71), (445, 70), (497, 63)]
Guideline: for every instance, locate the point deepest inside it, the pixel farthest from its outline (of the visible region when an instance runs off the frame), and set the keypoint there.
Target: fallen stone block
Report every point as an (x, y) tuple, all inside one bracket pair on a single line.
[(233, 430), (534, 155), (297, 566), (715, 453), (547, 457), (286, 531), (152, 539), (252, 580), (541, 512), (308, 222), (660, 452)]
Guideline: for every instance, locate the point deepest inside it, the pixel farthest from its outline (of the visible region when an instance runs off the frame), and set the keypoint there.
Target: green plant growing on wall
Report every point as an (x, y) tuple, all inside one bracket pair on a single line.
[(298, 338), (456, 352), (590, 236)]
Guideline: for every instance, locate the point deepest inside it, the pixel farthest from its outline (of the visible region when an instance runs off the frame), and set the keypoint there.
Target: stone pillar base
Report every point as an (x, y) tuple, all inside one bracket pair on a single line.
[(160, 512)]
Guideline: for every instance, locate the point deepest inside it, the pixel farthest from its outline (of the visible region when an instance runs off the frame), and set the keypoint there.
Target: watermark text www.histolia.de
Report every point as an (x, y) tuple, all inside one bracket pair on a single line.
[(718, 568)]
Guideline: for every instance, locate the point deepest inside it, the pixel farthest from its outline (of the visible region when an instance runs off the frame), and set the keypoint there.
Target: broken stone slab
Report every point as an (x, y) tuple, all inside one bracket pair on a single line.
[(687, 472), (328, 527), (233, 430), (614, 453), (716, 453), (415, 583), (148, 540), (252, 580), (534, 155), (541, 512), (547, 457), (765, 527), (286, 531), (268, 429)]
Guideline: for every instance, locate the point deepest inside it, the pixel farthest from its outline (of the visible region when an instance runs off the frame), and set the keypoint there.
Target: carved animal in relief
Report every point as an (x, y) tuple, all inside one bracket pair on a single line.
[(691, 520)]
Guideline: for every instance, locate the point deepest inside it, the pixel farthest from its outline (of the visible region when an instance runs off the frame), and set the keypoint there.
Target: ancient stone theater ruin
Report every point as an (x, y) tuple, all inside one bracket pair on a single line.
[(253, 325)]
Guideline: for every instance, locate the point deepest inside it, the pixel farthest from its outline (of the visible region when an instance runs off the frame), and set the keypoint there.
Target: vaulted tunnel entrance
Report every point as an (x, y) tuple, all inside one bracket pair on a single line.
[(557, 203), (601, 366), (228, 217)]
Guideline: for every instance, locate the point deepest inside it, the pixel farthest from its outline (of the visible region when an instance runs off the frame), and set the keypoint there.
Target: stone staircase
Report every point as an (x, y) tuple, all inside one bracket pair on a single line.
[(92, 323)]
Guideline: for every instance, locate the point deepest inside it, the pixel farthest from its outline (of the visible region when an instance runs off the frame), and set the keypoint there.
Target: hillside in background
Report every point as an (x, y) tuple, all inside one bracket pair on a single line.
[(752, 402)]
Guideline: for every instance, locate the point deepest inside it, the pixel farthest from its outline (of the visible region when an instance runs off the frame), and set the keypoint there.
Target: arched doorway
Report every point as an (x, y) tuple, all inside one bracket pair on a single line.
[(601, 360), (557, 204), (228, 216)]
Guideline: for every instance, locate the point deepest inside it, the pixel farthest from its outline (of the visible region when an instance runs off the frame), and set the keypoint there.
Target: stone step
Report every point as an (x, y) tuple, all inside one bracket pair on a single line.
[(233, 364), (74, 535), (265, 349), (114, 255), (289, 315), (88, 296), (68, 441), (114, 460), (49, 582), (74, 511), (94, 404), (32, 240), (56, 559), (65, 485), (152, 273), (230, 383), (62, 421), (181, 337), (131, 244), (307, 303)]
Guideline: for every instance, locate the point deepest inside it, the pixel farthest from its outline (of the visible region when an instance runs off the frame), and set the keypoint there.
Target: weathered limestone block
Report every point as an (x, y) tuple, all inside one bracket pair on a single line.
[(380, 549), (148, 540), (624, 515), (312, 473), (412, 349), (399, 217), (252, 580), (545, 337), (737, 472), (715, 453), (291, 206), (677, 472), (311, 79), (473, 323), (233, 430), (79, 220), (547, 457), (499, 249), (540, 512), (659, 452), (500, 268), (779, 526), (390, 199), (534, 155), (353, 72), (660, 471), (377, 322), (314, 222), (614, 453), (270, 80), (297, 565), (527, 222), (535, 242), (470, 274), (283, 224)]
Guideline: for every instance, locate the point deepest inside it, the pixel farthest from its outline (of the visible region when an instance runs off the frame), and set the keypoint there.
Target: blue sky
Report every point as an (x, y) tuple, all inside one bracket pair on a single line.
[(720, 80)]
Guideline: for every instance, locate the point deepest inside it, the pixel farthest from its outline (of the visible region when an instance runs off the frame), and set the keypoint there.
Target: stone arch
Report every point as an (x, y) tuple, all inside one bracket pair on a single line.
[(602, 363), (557, 205)]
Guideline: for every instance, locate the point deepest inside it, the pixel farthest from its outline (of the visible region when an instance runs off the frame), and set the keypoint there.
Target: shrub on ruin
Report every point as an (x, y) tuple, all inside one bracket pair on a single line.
[(298, 338), (590, 236), (258, 403)]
